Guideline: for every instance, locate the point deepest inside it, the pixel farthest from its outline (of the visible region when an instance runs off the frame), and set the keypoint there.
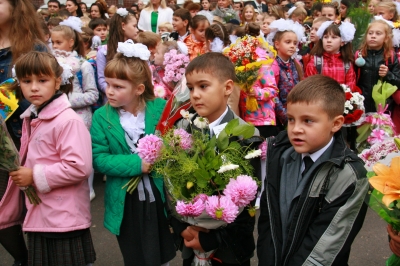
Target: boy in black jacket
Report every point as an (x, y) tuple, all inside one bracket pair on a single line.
[(210, 79), (313, 204)]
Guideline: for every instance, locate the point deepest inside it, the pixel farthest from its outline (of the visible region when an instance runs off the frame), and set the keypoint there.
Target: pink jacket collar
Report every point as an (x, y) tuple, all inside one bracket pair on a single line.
[(52, 110)]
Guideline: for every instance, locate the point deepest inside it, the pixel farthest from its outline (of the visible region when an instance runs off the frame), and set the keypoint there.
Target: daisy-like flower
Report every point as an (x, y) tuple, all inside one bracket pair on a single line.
[(253, 154), (184, 138), (242, 190), (227, 167), (159, 91), (190, 209), (201, 122), (222, 208), (186, 115)]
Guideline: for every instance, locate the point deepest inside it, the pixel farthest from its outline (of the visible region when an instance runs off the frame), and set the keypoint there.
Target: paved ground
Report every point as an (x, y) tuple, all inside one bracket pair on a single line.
[(369, 249)]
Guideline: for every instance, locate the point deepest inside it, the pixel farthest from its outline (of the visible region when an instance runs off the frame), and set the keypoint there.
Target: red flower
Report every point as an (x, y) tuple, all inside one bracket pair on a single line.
[(245, 61), (353, 117), (348, 96)]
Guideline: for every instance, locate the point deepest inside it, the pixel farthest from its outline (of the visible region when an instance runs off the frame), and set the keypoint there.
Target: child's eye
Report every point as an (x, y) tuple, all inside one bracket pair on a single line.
[(290, 119), (203, 86), (190, 88), (308, 121)]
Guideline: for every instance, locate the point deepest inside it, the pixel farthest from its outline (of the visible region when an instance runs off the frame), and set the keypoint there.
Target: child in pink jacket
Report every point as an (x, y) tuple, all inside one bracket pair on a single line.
[(265, 92), (56, 159)]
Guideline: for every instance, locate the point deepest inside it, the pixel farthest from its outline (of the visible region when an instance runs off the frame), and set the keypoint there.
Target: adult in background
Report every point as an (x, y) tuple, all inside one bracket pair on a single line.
[(74, 8), (18, 21), (97, 11), (258, 5), (53, 6), (154, 14)]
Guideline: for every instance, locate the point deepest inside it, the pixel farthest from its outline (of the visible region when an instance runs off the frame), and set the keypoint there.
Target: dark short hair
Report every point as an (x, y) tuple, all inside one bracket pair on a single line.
[(319, 88), (184, 14), (55, 1), (97, 22), (215, 64)]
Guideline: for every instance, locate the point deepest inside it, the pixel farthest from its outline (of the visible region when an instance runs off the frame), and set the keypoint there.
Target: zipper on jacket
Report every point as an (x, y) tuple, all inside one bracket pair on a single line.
[(269, 212)]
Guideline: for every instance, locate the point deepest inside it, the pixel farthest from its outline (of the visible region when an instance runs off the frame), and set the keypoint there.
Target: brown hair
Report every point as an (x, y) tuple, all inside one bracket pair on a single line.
[(38, 63), (69, 33), (133, 70), (391, 6), (252, 29), (217, 30), (215, 64), (87, 35), (277, 38), (24, 25), (254, 13), (320, 89), (116, 34), (54, 21), (193, 6), (299, 12), (387, 45), (184, 14), (277, 12), (329, 5), (148, 38), (196, 20), (346, 50)]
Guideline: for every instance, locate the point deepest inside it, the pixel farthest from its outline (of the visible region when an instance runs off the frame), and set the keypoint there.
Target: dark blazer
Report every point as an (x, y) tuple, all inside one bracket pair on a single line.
[(263, 6)]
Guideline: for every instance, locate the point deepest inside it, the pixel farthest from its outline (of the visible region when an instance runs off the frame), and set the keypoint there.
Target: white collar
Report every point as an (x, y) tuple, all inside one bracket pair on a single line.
[(216, 122), (315, 156), (132, 125), (181, 38), (34, 109)]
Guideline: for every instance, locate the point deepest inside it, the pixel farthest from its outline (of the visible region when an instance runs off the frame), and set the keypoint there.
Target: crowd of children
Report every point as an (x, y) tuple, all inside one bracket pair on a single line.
[(99, 82)]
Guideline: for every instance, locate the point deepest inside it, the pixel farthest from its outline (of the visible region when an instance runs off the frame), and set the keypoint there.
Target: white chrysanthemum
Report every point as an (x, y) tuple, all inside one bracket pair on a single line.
[(253, 154), (227, 167), (201, 122)]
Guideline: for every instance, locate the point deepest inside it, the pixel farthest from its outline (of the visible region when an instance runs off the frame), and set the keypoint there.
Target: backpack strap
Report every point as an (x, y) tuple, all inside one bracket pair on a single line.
[(318, 61), (346, 67)]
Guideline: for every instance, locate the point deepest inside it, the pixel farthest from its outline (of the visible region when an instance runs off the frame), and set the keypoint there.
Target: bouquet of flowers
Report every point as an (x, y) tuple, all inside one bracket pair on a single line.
[(207, 187), (354, 105), (380, 150), (8, 101), (384, 198), (9, 160), (248, 54), (175, 65)]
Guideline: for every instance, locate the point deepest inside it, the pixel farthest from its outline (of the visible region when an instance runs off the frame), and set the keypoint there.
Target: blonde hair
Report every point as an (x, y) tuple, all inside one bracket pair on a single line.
[(112, 9), (148, 38), (254, 13), (134, 70), (387, 44), (150, 7), (166, 25), (391, 6), (299, 12), (69, 33)]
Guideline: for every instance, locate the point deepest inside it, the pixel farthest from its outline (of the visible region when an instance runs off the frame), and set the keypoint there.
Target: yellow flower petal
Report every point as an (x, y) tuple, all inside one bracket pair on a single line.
[(387, 199), (381, 169)]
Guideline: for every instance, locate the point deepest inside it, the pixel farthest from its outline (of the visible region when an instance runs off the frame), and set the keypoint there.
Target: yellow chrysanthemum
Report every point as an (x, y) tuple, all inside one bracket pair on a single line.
[(387, 180)]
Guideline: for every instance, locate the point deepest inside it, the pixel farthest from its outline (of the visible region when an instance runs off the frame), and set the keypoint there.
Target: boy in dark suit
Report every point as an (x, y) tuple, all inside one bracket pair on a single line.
[(313, 204), (210, 79)]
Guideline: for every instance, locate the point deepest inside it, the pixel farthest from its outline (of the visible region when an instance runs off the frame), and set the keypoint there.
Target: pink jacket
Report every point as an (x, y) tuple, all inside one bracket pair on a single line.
[(266, 92), (11, 206), (57, 146)]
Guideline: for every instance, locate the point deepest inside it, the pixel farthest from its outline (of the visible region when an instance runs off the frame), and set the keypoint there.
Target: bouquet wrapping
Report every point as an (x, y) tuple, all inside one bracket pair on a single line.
[(248, 54), (208, 179), (9, 160), (8, 101)]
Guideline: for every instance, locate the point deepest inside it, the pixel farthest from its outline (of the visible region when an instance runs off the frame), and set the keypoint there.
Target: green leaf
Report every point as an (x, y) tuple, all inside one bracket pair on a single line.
[(185, 192), (218, 180), (245, 130), (235, 145), (201, 174), (212, 142), (215, 163), (222, 141), (202, 183), (231, 125)]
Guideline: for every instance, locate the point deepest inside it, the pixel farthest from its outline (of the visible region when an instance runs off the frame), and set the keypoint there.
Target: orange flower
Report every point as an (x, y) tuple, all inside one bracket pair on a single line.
[(387, 180)]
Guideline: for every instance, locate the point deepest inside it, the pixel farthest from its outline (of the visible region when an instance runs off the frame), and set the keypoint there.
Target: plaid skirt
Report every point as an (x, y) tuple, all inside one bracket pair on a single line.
[(72, 251)]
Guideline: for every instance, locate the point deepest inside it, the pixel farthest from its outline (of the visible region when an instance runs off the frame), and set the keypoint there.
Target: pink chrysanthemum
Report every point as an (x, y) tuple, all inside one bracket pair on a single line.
[(222, 208), (184, 138), (263, 148), (190, 209), (202, 197), (149, 148), (242, 190)]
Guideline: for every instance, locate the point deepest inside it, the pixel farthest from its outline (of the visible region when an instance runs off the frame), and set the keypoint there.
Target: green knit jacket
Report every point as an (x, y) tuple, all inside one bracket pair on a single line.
[(112, 157)]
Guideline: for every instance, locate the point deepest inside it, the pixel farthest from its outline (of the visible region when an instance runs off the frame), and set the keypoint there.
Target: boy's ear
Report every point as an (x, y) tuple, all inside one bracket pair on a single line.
[(337, 123), (185, 22), (229, 87)]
